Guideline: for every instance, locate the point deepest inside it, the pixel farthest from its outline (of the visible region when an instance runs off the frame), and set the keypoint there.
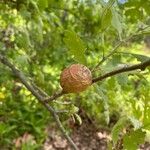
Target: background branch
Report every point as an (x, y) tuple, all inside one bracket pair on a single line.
[(141, 66), (40, 97)]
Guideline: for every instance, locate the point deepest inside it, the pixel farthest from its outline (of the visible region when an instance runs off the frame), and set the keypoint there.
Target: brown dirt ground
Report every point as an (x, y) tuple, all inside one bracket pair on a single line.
[(85, 136)]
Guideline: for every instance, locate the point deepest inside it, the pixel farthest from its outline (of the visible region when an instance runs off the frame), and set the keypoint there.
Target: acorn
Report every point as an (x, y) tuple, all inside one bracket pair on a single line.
[(75, 78)]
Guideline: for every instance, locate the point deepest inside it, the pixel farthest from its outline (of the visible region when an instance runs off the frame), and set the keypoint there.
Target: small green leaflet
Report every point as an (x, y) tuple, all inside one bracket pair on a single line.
[(146, 31), (132, 140), (23, 39), (147, 119), (78, 118), (141, 58), (135, 122), (40, 77), (72, 109), (75, 45), (22, 60), (122, 79), (118, 128)]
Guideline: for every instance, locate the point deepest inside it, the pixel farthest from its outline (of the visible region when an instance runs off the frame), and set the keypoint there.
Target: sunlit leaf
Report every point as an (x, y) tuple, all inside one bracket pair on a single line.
[(106, 15), (75, 45), (118, 128), (43, 4), (116, 22), (23, 40), (147, 119), (40, 77), (122, 79), (73, 109), (106, 19), (3, 127), (22, 60), (111, 83), (78, 118), (2, 95), (132, 140), (105, 104), (141, 58), (136, 123)]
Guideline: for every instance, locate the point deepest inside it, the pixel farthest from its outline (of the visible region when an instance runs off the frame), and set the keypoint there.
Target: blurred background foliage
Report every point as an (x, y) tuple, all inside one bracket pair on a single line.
[(41, 37)]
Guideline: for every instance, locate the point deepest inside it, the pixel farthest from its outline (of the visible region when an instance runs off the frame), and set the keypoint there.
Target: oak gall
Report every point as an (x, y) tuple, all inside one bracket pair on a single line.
[(75, 78)]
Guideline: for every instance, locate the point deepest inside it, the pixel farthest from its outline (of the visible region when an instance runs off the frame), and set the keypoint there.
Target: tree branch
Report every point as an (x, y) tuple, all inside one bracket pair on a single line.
[(40, 97), (54, 96), (48, 98), (140, 66)]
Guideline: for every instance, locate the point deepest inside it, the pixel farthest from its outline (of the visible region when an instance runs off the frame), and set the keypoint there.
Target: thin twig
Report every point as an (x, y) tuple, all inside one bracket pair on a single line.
[(111, 53), (54, 96), (104, 58), (47, 98), (141, 66), (40, 98), (44, 94), (40, 91)]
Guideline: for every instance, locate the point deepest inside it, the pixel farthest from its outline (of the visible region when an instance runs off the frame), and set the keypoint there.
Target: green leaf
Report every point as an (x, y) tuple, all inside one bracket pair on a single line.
[(136, 111), (111, 83), (40, 77), (72, 109), (11, 128), (136, 123), (75, 46), (23, 39), (3, 128), (24, 12), (118, 128), (146, 31), (141, 58), (134, 14), (110, 146), (35, 6), (133, 139), (107, 15), (23, 60), (147, 119), (105, 105), (122, 79), (4, 75), (78, 118), (106, 19), (43, 4), (116, 22), (39, 29), (116, 59)]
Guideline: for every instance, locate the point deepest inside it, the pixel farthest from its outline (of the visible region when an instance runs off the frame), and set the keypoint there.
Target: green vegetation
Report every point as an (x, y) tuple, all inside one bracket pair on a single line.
[(42, 37)]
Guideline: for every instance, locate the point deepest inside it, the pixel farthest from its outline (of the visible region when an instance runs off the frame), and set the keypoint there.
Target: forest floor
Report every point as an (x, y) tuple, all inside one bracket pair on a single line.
[(85, 136)]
